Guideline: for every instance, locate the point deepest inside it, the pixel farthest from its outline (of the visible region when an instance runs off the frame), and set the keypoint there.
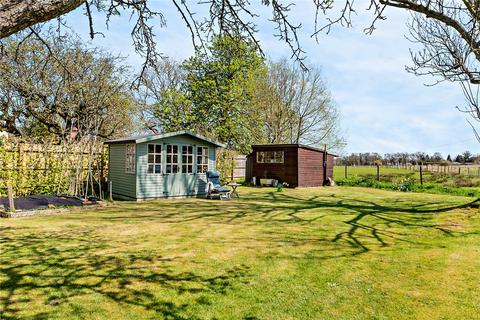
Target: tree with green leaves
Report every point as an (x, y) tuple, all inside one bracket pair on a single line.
[(65, 89), (214, 97)]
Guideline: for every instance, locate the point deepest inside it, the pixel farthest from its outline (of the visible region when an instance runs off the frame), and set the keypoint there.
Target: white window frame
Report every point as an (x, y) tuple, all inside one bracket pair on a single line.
[(170, 165), (189, 157), (202, 159), (130, 157), (272, 157), (156, 155)]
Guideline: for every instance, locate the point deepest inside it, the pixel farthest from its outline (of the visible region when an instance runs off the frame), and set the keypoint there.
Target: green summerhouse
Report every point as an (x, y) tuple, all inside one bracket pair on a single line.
[(161, 165)]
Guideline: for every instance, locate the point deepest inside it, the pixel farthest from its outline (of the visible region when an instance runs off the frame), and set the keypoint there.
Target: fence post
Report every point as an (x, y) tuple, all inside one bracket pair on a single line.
[(459, 170), (421, 174), (346, 174), (11, 203), (378, 172), (110, 190), (233, 168)]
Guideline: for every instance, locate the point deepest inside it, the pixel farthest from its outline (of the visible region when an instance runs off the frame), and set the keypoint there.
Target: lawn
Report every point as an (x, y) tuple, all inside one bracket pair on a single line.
[(316, 253)]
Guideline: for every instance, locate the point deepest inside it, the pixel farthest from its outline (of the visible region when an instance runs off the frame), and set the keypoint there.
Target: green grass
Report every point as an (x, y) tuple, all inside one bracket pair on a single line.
[(433, 182), (316, 253)]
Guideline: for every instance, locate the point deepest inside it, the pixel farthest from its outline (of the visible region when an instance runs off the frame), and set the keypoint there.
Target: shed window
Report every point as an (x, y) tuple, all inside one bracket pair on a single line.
[(269, 156), (187, 159), (172, 158), (130, 158), (154, 158), (202, 159)]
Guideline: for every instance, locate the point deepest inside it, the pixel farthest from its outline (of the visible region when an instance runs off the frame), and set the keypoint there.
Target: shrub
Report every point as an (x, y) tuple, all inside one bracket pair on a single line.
[(404, 185)]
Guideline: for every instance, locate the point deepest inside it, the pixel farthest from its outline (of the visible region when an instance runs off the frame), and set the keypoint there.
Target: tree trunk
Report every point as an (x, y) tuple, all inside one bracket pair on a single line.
[(16, 15)]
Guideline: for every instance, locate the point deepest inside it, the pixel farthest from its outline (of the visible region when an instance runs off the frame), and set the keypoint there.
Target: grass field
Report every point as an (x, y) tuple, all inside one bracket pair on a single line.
[(466, 183), (387, 173), (316, 253)]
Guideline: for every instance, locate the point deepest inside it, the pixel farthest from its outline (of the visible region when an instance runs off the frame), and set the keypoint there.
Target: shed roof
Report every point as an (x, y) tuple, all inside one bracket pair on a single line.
[(295, 145), (150, 137)]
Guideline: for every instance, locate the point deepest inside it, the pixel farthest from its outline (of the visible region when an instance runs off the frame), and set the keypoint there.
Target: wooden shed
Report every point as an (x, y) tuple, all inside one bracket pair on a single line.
[(159, 166), (296, 164)]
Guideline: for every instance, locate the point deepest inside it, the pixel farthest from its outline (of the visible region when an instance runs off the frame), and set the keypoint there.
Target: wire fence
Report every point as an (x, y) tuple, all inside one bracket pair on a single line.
[(456, 175)]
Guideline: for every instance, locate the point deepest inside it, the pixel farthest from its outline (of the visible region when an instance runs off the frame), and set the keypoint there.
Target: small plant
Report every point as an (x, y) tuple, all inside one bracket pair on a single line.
[(405, 185), (280, 186)]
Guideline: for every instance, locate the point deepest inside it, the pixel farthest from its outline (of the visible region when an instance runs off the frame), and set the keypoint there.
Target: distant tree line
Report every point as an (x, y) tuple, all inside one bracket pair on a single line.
[(405, 158)]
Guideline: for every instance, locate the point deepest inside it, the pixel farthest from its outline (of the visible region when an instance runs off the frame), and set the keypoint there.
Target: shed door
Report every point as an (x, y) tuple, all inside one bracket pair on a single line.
[(179, 178)]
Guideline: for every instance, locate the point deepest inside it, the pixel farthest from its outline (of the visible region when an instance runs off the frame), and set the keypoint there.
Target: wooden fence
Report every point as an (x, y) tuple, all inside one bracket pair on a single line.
[(240, 163)]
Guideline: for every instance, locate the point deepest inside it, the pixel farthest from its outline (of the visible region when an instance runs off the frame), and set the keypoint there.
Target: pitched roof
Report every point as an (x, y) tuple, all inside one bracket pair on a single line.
[(150, 137)]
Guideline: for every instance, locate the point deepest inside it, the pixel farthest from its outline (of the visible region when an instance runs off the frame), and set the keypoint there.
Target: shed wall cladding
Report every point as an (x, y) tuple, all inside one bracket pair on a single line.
[(310, 167), (154, 185), (286, 172), (123, 183)]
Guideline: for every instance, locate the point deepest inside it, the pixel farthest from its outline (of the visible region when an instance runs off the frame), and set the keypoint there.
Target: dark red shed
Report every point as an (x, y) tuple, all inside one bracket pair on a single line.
[(296, 164)]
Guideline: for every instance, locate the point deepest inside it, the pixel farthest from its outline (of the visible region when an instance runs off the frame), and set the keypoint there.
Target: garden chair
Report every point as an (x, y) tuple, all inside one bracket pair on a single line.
[(215, 188)]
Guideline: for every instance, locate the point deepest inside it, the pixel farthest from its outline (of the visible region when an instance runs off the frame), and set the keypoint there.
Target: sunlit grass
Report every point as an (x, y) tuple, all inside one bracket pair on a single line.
[(316, 253)]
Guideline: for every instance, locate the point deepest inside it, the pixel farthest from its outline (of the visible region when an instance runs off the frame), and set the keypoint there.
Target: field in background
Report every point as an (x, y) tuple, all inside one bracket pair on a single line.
[(460, 180), (310, 253)]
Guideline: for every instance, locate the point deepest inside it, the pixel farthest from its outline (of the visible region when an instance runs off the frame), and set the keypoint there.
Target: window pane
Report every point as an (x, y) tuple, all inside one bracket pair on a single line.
[(190, 168), (158, 158), (150, 168), (190, 159), (175, 158), (205, 151), (190, 149), (169, 148), (158, 168), (199, 150), (175, 149), (174, 168), (184, 159), (199, 159), (259, 157), (279, 157), (169, 158), (150, 158), (169, 169), (151, 148), (158, 148), (184, 169)]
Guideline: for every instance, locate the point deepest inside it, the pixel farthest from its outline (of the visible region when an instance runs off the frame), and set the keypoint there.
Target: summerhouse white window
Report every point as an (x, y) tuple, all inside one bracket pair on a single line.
[(154, 158), (130, 158), (187, 159), (270, 157), (172, 158), (202, 159)]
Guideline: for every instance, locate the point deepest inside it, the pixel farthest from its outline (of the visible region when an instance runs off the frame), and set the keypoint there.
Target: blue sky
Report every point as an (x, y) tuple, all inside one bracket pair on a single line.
[(384, 108)]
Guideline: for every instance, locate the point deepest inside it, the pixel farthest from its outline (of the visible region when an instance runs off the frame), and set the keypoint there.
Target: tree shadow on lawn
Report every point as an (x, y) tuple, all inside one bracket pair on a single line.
[(61, 266), (376, 220), (370, 221)]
